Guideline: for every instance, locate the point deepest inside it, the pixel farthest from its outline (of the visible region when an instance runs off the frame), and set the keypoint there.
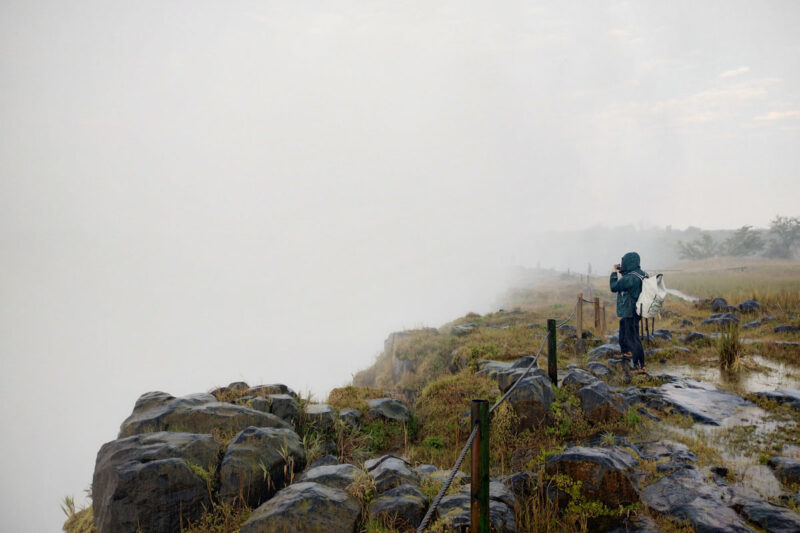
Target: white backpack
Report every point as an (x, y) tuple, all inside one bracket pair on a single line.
[(652, 297)]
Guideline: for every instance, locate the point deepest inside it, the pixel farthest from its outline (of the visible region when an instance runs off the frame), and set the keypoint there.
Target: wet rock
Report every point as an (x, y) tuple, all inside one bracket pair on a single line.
[(749, 306), (531, 401), (425, 471), (497, 492), (320, 415), (524, 362), (568, 328), (668, 349), (787, 395), (787, 469), (666, 448), (604, 473), (694, 336), (598, 370), (719, 304), (284, 406), (151, 481), (387, 408), (685, 323), (787, 329), (454, 514), (351, 417), (196, 413), (600, 403), (325, 460), (786, 344), (768, 318), (390, 471), (463, 329), (578, 378), (305, 508), (273, 388), (702, 401), (770, 517), (663, 334), (506, 379), (522, 484), (722, 319), (337, 476), (720, 471), (753, 324), (685, 495), (402, 507), (493, 369), (604, 350), (257, 463)]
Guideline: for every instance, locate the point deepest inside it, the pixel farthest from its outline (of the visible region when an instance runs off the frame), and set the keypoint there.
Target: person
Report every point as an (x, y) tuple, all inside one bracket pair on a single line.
[(626, 281)]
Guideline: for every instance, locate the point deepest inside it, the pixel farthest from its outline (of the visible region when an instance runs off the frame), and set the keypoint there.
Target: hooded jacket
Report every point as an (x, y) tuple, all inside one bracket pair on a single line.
[(628, 287)]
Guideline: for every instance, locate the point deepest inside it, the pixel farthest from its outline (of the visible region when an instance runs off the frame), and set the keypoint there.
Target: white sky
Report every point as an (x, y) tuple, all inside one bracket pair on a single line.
[(196, 192)]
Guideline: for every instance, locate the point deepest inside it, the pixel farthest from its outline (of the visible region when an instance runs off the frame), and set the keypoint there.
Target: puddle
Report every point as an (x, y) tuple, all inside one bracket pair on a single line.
[(773, 375)]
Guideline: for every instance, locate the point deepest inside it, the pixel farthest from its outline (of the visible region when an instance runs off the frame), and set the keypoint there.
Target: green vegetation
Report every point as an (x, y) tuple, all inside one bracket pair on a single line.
[(730, 348)]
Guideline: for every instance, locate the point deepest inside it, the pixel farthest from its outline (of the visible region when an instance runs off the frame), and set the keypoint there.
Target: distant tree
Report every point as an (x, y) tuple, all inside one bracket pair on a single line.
[(700, 248), (745, 241), (785, 236)]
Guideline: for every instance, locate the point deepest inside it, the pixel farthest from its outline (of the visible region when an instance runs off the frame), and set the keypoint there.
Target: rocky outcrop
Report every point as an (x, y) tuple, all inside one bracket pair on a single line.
[(400, 508), (604, 473), (388, 409), (454, 510), (196, 413), (305, 508), (153, 481), (600, 403), (337, 476), (258, 462), (321, 416), (390, 471), (531, 401), (703, 402), (284, 406), (787, 469)]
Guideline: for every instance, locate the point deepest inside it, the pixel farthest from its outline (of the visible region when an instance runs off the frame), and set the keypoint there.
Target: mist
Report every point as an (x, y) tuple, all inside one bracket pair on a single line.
[(194, 193)]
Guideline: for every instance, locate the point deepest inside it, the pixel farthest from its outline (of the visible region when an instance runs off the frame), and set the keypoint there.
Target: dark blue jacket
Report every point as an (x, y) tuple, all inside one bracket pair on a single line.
[(629, 286)]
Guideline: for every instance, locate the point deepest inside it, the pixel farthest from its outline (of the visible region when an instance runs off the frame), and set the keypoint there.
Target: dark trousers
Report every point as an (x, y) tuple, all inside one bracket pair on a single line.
[(629, 340)]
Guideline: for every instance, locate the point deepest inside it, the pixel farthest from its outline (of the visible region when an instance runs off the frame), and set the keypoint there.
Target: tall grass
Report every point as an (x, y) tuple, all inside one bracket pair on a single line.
[(730, 347)]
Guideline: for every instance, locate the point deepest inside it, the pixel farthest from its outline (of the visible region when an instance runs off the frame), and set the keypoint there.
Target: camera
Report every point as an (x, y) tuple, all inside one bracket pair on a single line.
[(618, 266)]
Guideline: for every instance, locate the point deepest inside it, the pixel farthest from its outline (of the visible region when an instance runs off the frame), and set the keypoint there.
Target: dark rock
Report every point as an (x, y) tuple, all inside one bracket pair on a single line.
[(787, 469), (305, 508), (497, 492), (463, 329), (151, 481), (273, 388), (787, 395), (523, 362), (749, 306), (196, 413), (284, 406), (666, 448), (568, 327), (337, 476), (768, 318), (320, 415), (685, 495), (578, 378), (787, 329), (604, 350), (522, 484), (531, 401), (786, 344), (598, 369), (454, 514), (685, 323), (506, 379), (257, 462), (390, 471), (493, 369), (722, 319), (694, 336), (425, 471), (351, 417), (719, 304), (720, 471), (402, 507), (604, 473), (663, 334), (238, 386), (753, 324), (387, 408), (702, 401), (770, 517), (325, 460), (601, 404)]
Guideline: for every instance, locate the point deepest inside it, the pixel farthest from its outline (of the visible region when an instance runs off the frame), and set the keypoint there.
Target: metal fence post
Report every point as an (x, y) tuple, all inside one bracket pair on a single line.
[(552, 357), (479, 503), (596, 314)]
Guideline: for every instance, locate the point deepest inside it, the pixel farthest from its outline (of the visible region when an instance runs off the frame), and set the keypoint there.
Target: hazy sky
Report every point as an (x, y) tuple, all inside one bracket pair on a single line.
[(196, 192)]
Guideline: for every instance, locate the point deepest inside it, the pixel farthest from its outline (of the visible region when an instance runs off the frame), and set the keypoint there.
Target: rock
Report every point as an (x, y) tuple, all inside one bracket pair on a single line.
[(604, 473), (196, 413), (578, 378), (787, 469), (390, 471), (325, 460), (425, 471), (770, 517), (401, 508), (284, 406), (454, 514), (531, 401), (154, 481), (685, 323), (320, 415), (702, 401), (522, 484), (493, 369), (273, 388), (720, 471), (786, 344), (305, 508), (684, 494), (524, 362), (666, 448), (387, 408), (238, 386), (787, 395), (497, 492), (722, 319), (604, 350), (719, 304), (463, 329), (257, 462), (753, 324), (600, 404), (749, 306), (351, 417), (506, 379), (768, 318), (568, 327), (663, 334), (337, 476), (787, 329), (694, 336), (598, 369)]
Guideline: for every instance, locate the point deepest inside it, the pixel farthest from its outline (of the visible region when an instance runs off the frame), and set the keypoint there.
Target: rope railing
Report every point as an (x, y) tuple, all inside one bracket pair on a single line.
[(446, 485)]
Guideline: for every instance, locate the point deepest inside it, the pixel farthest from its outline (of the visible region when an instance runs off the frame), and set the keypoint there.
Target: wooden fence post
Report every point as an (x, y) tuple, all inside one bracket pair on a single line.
[(479, 503), (596, 314), (580, 346), (604, 324)]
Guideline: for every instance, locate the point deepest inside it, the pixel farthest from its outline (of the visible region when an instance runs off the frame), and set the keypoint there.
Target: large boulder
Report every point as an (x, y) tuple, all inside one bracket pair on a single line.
[(387, 408), (719, 304), (273, 388), (702, 401), (505, 380), (769, 517), (196, 413), (685, 495), (531, 401), (577, 378), (305, 508), (284, 406), (258, 462), (453, 514), (604, 473), (400, 508), (337, 476), (787, 469), (153, 481), (600, 403), (605, 350), (321, 416), (390, 471)]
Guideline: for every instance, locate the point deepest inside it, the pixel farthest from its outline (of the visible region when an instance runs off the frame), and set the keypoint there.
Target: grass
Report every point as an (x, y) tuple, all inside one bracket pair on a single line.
[(730, 348)]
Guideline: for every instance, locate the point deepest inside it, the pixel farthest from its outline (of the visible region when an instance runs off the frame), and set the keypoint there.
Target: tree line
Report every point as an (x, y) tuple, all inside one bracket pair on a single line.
[(781, 240)]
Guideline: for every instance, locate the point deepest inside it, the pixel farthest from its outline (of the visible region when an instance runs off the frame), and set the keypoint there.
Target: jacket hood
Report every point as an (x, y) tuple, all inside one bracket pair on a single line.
[(630, 261)]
